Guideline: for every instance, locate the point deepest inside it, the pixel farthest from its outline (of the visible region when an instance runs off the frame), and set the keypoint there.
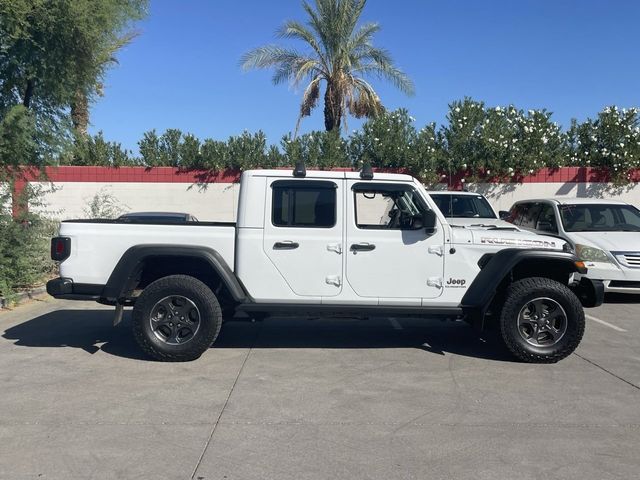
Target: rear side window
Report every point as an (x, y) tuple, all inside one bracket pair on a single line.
[(530, 216), (304, 203), (517, 213)]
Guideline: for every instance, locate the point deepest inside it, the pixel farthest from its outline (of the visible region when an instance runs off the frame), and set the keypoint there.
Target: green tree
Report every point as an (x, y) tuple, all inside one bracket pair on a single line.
[(339, 54), (50, 52)]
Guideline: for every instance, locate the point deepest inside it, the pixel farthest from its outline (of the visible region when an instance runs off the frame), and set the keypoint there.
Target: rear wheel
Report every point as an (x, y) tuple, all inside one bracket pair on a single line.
[(542, 320), (176, 318)]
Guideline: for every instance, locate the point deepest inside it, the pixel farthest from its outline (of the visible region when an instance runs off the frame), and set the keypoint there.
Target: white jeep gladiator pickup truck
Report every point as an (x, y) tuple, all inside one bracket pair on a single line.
[(332, 244)]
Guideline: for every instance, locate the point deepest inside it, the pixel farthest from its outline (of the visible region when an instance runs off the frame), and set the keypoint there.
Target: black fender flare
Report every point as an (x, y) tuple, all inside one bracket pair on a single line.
[(481, 292), (132, 260)]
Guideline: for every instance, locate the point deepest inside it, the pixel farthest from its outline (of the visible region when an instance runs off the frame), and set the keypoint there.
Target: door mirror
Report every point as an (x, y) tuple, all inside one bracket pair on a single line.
[(503, 214), (426, 220), (546, 227)]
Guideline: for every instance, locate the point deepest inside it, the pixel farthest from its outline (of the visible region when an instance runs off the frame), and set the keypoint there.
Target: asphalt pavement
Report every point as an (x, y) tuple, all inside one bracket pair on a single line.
[(314, 399)]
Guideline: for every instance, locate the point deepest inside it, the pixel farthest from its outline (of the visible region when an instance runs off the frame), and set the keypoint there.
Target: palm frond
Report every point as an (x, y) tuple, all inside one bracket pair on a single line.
[(296, 30), (317, 25), (363, 35), (310, 97), (376, 61), (268, 56), (296, 70), (309, 101), (363, 99)]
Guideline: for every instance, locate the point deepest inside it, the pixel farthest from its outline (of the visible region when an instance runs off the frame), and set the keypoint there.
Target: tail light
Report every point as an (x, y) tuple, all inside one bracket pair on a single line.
[(60, 248)]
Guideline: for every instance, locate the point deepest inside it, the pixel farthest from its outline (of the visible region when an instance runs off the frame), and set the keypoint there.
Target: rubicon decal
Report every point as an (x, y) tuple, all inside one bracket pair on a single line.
[(456, 283), (518, 242)]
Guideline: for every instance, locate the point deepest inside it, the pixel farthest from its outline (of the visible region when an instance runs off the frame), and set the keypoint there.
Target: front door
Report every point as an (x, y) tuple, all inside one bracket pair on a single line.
[(386, 257), (303, 234)]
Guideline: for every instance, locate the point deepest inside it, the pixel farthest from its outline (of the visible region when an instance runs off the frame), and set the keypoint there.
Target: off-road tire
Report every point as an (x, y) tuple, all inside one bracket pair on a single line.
[(192, 289), (518, 295)]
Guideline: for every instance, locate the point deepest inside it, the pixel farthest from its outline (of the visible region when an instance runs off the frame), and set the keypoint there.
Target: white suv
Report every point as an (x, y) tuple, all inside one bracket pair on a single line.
[(604, 233)]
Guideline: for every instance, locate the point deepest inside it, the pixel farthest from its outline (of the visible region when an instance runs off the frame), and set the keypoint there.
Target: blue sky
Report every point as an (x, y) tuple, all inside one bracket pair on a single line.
[(572, 57)]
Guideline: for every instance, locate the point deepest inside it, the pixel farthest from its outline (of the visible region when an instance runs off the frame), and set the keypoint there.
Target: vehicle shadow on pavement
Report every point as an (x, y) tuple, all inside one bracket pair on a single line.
[(431, 336), (88, 330), (92, 331)]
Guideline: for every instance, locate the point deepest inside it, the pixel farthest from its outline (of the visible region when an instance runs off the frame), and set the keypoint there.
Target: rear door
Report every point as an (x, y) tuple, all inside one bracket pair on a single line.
[(303, 234)]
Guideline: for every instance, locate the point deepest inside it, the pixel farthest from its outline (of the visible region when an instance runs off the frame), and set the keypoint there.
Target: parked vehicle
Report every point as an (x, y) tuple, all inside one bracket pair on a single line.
[(466, 208), (331, 244), (605, 234), (155, 217)]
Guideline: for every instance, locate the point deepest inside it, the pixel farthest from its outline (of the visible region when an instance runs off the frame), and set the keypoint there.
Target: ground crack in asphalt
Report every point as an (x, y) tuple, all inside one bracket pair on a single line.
[(608, 371), (217, 422)]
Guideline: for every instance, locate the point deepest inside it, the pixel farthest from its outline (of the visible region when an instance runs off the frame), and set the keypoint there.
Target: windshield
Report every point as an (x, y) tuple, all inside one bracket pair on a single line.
[(463, 206), (600, 218)]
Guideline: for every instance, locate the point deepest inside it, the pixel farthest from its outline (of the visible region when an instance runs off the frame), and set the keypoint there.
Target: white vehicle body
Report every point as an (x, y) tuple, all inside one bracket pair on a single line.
[(323, 269), (618, 266), (477, 211), (330, 244)]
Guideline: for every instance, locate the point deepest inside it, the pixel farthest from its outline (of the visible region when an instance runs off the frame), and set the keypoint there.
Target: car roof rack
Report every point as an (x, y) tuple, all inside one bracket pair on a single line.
[(367, 172), (300, 171)]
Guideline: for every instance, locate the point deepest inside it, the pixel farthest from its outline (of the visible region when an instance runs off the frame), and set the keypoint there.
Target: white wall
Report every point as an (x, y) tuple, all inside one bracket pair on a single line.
[(503, 195), (218, 201)]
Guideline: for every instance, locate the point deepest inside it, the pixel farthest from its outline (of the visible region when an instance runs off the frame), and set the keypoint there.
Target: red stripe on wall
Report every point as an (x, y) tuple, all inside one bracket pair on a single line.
[(176, 175)]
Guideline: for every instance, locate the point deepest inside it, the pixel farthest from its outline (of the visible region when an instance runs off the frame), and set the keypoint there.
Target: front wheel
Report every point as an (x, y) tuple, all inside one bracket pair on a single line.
[(176, 318), (542, 321)]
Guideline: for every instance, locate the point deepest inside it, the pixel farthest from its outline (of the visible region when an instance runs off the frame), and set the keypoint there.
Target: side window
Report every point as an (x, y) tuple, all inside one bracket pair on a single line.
[(517, 213), (530, 216), (303, 203), (387, 206), (547, 220)]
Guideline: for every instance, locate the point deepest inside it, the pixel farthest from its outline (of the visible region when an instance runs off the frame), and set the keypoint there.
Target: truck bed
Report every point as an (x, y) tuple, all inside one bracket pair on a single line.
[(98, 245)]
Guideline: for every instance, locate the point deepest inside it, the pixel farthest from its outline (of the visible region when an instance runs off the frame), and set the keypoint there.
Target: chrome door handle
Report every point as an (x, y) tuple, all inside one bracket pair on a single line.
[(362, 247), (286, 245)]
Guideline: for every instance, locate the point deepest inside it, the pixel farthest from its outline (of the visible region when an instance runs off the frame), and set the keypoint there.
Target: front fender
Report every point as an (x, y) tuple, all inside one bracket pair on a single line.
[(483, 289)]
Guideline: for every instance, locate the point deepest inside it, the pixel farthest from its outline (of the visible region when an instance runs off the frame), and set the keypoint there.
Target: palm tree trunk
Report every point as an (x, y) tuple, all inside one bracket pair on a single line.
[(28, 93), (80, 113), (332, 108)]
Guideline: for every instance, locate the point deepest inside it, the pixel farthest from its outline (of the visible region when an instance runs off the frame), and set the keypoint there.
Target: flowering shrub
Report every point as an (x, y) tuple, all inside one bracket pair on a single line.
[(481, 142), (500, 142), (316, 149), (611, 142)]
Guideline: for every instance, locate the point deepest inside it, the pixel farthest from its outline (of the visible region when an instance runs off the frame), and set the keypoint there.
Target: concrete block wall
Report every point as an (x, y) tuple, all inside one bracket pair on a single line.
[(211, 202), (215, 197)]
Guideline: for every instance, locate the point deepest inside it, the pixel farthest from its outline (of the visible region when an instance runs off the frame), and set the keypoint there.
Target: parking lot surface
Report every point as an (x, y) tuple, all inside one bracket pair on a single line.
[(314, 399)]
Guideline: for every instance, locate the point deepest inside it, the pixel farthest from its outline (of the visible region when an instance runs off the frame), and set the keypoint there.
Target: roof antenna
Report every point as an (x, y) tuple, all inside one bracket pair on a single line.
[(367, 172), (300, 171)]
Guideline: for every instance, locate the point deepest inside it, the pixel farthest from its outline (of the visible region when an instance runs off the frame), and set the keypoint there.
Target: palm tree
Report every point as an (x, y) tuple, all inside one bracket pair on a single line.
[(102, 61), (340, 54)]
